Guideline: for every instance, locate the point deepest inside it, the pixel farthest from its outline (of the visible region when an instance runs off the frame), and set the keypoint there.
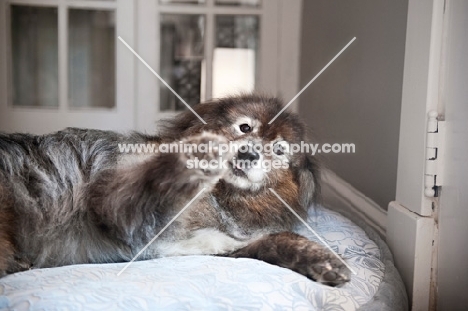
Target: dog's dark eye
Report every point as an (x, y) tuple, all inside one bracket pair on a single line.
[(245, 128), (279, 150)]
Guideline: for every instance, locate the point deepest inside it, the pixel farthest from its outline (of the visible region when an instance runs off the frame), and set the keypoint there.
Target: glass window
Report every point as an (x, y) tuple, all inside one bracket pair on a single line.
[(91, 56), (235, 54), (34, 36), (181, 59)]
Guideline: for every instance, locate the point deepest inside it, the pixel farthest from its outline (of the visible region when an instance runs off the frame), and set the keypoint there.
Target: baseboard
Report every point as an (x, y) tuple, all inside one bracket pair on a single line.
[(343, 197)]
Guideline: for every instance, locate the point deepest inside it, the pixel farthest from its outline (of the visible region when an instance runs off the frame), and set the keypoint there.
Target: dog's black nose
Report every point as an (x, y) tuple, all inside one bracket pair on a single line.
[(249, 155)]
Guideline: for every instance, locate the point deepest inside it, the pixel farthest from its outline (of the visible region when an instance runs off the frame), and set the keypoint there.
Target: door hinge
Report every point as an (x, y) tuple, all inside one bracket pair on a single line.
[(433, 171)]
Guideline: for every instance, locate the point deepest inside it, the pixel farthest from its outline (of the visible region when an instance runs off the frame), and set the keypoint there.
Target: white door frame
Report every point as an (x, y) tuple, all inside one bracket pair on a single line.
[(411, 225)]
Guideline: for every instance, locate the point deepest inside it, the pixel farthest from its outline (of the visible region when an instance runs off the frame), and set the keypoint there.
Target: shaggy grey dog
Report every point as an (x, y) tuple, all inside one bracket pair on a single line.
[(72, 197)]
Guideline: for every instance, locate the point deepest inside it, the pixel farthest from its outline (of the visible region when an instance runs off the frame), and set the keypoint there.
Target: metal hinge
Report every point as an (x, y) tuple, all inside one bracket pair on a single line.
[(433, 172)]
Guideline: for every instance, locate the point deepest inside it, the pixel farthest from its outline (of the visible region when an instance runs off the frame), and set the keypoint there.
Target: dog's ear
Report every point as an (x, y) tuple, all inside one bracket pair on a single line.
[(178, 126), (309, 181), (188, 123)]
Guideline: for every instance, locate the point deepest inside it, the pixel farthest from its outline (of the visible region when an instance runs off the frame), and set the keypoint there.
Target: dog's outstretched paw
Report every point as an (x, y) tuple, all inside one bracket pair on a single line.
[(204, 153), (295, 252), (329, 271)]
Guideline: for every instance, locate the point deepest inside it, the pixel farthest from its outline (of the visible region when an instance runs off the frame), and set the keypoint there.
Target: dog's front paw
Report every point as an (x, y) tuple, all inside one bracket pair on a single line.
[(295, 252), (204, 153), (329, 270)]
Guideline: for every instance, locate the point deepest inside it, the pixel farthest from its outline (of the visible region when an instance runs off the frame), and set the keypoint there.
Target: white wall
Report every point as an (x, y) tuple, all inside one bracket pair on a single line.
[(358, 98)]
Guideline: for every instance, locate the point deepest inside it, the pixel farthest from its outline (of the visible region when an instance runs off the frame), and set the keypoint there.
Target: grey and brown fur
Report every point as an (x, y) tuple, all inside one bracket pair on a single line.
[(71, 197)]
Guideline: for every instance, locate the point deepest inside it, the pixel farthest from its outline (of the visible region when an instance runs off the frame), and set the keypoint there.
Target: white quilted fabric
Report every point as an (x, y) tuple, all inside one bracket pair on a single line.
[(204, 282)]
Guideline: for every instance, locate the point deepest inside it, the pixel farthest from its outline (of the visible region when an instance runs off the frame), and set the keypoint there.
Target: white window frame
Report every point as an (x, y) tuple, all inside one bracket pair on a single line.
[(279, 50), (42, 120), (137, 92)]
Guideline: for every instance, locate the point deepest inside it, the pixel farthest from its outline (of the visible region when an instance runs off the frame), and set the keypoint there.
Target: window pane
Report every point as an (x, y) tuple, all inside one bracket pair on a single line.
[(239, 2), (182, 1), (182, 54), (91, 56), (235, 54), (34, 38)]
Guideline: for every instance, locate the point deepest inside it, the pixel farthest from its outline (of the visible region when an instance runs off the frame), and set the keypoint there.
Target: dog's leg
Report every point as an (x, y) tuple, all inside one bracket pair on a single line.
[(130, 201), (295, 252)]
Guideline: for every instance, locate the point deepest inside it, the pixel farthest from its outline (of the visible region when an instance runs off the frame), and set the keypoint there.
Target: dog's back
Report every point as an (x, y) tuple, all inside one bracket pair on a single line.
[(42, 180)]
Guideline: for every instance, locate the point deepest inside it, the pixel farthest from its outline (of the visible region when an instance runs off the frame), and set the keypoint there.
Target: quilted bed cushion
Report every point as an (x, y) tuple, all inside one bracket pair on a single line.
[(206, 282)]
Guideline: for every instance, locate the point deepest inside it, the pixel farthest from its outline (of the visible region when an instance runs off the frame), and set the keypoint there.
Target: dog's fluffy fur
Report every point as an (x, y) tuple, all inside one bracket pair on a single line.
[(71, 197)]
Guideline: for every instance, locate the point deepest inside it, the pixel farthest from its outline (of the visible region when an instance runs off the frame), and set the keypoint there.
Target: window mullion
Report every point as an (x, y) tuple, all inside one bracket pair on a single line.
[(5, 91), (63, 54), (209, 48)]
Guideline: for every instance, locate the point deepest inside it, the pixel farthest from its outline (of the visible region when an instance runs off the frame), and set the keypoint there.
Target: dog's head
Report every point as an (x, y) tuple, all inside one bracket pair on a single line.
[(263, 158)]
